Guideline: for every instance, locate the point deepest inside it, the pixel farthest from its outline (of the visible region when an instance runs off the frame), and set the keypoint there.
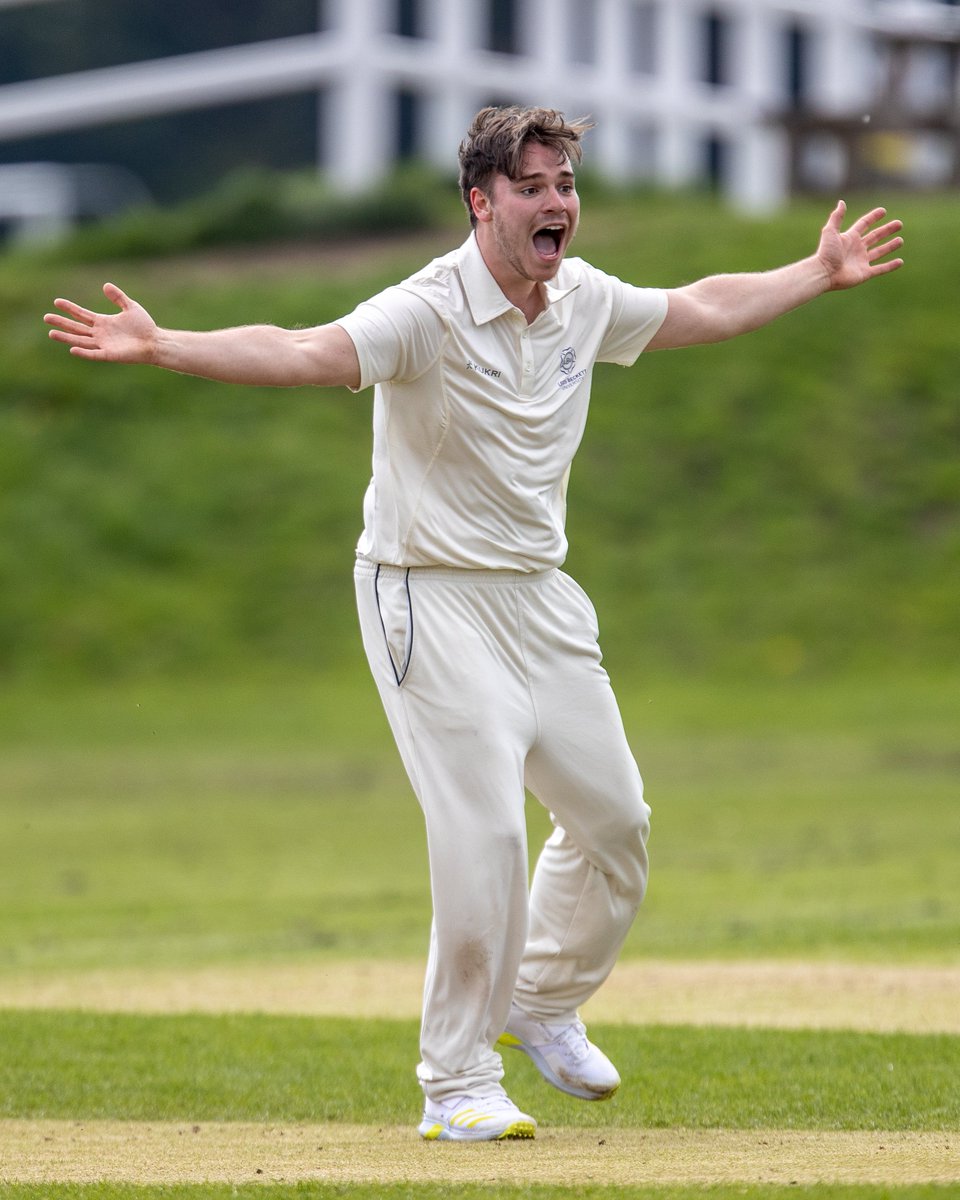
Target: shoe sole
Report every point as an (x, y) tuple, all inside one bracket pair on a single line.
[(438, 1131), (514, 1043)]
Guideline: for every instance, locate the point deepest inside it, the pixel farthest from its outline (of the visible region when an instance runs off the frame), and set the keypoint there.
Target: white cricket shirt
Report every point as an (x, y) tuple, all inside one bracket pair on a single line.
[(477, 415)]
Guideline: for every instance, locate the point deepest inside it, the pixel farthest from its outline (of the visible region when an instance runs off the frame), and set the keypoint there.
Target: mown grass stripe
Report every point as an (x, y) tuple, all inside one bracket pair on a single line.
[(86, 1066), (426, 1190), (156, 1153)]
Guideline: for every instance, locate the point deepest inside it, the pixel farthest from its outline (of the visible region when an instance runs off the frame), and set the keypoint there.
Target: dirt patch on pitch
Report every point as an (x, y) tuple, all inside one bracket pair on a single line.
[(160, 1153), (784, 995)]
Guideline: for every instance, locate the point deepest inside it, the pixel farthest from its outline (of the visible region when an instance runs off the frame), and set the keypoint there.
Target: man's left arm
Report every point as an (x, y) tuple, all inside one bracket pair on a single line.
[(724, 306)]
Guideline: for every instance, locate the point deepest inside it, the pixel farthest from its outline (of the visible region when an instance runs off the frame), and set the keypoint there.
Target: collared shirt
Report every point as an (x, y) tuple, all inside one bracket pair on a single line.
[(477, 415)]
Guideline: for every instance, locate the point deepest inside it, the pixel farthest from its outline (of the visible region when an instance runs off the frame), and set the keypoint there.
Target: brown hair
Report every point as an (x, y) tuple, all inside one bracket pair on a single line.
[(497, 138)]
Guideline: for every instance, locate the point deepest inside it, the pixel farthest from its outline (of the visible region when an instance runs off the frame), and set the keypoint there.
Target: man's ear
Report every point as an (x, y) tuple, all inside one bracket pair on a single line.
[(480, 205)]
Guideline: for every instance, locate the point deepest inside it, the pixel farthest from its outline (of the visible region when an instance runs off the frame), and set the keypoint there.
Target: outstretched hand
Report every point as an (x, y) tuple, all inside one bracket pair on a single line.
[(128, 336), (861, 252)]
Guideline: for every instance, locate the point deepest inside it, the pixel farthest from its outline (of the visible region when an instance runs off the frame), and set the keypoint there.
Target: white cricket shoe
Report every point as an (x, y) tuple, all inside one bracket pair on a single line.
[(475, 1119), (563, 1055)]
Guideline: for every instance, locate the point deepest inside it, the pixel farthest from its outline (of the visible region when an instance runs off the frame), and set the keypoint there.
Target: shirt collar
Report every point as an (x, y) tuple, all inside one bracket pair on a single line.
[(484, 295)]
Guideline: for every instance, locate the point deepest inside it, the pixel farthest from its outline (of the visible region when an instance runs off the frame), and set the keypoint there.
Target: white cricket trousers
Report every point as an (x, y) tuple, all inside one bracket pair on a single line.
[(491, 682)]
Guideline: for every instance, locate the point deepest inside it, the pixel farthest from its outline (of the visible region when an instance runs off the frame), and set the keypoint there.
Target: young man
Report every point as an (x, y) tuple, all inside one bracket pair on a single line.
[(485, 654)]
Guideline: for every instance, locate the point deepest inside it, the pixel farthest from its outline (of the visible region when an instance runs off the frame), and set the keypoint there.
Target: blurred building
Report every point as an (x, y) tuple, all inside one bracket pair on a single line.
[(753, 97)]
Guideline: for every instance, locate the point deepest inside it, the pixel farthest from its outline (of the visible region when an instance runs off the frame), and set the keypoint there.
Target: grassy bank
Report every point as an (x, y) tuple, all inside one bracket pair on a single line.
[(780, 505)]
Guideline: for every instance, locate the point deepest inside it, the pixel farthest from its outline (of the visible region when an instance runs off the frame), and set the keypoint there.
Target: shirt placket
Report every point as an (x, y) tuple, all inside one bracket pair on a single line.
[(527, 365)]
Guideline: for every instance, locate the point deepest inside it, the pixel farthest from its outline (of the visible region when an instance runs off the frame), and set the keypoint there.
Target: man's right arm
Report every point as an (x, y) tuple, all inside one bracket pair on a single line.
[(261, 355)]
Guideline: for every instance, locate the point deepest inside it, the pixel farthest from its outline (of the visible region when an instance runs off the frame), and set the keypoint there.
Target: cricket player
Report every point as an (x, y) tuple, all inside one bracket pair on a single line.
[(484, 652)]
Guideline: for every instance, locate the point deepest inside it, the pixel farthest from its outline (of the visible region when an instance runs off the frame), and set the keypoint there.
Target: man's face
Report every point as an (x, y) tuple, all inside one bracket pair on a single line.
[(526, 224)]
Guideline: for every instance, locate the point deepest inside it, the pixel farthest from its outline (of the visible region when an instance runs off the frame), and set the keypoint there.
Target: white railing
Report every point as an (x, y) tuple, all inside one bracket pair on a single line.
[(165, 85)]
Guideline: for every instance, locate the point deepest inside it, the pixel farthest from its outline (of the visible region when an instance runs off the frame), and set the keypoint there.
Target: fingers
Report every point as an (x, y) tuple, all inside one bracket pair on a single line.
[(885, 267), (73, 330), (78, 313), (77, 327), (862, 224), (835, 220), (79, 319), (66, 331), (882, 251), (116, 296), (881, 242), (878, 240), (81, 339), (122, 336), (880, 245), (885, 232), (76, 341)]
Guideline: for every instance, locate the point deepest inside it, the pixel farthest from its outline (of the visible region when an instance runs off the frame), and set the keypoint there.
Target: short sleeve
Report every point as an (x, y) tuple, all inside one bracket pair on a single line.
[(398, 336), (635, 316)]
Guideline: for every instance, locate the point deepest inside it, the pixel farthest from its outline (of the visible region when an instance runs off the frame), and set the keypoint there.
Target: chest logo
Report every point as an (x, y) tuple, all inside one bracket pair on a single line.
[(568, 360), (480, 369)]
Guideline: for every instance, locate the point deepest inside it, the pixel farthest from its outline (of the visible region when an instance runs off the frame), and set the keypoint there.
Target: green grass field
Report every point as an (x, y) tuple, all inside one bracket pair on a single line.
[(194, 772), (259, 1068), (264, 823), (186, 823)]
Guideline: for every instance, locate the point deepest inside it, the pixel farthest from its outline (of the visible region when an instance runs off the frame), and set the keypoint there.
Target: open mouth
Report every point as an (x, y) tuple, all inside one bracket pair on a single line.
[(547, 241)]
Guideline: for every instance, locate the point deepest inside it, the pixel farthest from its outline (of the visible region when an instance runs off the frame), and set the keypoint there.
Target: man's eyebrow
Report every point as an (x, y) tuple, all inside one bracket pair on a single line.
[(541, 175)]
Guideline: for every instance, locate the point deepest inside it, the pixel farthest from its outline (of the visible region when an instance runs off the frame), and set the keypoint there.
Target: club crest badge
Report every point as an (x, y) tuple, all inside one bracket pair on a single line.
[(568, 360)]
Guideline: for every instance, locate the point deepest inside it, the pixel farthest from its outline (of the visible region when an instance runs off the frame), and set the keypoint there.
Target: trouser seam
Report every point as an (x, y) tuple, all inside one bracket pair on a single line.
[(527, 673)]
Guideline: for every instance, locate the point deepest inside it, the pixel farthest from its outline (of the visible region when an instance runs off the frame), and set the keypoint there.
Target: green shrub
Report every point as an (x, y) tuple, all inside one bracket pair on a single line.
[(256, 206)]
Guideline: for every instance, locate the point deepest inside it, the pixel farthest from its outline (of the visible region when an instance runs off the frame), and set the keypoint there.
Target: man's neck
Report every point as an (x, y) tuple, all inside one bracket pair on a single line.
[(529, 296), (532, 304)]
